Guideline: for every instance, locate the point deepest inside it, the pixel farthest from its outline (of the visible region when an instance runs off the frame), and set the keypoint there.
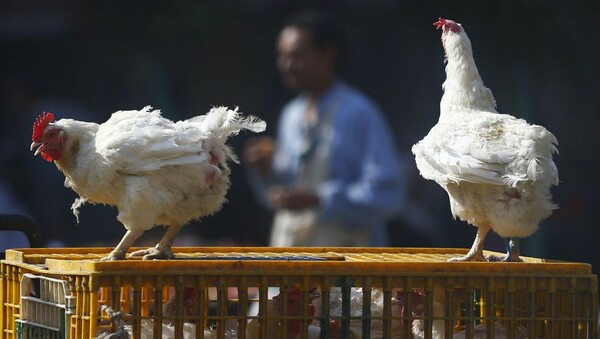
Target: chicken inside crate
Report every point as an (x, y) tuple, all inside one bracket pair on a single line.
[(310, 293)]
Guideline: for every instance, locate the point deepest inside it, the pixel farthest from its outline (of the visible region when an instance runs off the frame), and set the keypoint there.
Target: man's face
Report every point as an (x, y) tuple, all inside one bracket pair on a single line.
[(300, 63)]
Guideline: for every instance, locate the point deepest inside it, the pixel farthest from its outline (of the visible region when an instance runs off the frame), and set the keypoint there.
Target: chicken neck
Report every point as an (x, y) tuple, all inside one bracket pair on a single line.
[(464, 89)]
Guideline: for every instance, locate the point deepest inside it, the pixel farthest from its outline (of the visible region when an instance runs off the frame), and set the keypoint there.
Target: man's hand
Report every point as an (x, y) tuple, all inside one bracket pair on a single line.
[(294, 199), (258, 154)]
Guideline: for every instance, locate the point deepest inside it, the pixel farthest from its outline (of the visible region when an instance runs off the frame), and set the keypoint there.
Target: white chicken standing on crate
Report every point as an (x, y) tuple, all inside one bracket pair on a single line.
[(496, 169), (155, 171)]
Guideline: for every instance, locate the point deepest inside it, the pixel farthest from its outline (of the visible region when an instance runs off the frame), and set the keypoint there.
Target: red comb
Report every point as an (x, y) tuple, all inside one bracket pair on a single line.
[(449, 24), (440, 23), (40, 124)]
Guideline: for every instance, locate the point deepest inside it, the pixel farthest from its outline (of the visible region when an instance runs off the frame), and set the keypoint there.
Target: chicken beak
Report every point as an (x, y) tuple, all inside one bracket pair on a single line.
[(34, 145)]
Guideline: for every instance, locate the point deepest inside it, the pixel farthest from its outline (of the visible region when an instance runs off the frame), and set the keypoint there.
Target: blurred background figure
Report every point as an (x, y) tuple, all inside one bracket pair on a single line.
[(333, 176)]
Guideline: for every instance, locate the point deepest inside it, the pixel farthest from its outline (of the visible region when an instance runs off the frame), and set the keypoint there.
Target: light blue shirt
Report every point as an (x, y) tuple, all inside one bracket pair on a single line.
[(365, 187)]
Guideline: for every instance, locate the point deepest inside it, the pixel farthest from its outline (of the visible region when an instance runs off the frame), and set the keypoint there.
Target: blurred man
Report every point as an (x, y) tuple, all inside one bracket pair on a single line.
[(333, 174)]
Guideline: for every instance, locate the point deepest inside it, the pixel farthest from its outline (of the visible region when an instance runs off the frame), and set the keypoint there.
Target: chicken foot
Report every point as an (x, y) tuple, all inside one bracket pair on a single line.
[(119, 252), (162, 250), (512, 252), (476, 251)]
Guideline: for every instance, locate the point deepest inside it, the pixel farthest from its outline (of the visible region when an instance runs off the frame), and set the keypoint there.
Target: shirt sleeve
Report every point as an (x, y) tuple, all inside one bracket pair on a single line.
[(377, 191)]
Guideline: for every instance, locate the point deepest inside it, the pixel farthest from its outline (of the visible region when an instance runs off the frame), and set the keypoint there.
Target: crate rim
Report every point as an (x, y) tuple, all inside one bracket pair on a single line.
[(81, 264)]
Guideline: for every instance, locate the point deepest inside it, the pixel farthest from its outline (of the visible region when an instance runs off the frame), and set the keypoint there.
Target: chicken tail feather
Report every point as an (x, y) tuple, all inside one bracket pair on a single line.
[(225, 122)]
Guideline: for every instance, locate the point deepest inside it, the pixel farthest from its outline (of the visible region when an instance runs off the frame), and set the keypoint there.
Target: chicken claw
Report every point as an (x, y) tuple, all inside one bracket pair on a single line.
[(476, 256), (476, 251), (512, 252), (114, 255), (153, 253), (162, 250)]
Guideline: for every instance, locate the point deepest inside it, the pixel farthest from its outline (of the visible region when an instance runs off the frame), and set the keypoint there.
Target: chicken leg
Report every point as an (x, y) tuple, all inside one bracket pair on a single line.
[(162, 250), (512, 252), (476, 251), (119, 252)]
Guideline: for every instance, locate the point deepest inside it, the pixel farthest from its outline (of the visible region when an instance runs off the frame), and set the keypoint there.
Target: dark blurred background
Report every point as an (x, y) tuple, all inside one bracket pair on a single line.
[(85, 60)]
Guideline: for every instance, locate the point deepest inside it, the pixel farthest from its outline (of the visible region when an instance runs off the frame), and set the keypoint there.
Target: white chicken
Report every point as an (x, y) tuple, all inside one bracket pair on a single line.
[(155, 171), (168, 331), (355, 312), (496, 169), (188, 303), (419, 329), (376, 331), (500, 332), (292, 311)]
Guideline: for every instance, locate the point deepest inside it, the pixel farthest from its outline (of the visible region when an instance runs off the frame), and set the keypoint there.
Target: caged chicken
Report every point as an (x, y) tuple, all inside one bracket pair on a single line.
[(292, 309), (398, 312), (496, 169), (155, 171)]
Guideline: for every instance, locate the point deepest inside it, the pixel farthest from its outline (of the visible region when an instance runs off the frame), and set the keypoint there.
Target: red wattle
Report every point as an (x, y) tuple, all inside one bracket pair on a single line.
[(47, 157)]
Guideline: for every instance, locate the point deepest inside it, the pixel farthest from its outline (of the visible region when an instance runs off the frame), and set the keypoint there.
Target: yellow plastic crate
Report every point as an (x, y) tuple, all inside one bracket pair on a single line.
[(534, 299)]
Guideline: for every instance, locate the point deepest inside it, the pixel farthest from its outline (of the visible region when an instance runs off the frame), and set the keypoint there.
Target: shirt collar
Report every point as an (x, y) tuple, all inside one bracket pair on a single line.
[(327, 97)]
